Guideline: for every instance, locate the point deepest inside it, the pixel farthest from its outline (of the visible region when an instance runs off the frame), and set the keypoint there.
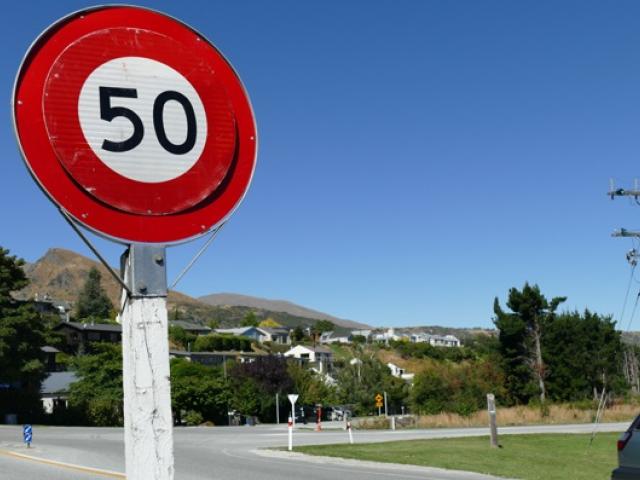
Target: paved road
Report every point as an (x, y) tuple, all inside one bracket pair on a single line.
[(227, 453)]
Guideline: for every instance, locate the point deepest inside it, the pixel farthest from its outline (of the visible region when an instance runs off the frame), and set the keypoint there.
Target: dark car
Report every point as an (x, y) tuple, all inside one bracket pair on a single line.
[(629, 453)]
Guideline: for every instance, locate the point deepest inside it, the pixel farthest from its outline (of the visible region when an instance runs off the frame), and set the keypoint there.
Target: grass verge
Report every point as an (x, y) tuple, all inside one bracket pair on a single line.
[(526, 457)]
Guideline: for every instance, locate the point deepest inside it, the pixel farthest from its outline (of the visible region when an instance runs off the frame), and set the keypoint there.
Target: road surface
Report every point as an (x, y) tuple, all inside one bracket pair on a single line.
[(227, 453)]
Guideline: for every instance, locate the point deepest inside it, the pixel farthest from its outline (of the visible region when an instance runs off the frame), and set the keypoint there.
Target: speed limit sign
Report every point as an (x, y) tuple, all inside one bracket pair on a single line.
[(135, 125)]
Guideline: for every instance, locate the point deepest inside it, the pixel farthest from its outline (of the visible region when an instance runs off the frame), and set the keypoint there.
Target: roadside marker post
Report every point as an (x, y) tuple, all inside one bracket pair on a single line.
[(139, 130), (290, 427), (319, 418), (491, 406), (27, 434), (350, 432)]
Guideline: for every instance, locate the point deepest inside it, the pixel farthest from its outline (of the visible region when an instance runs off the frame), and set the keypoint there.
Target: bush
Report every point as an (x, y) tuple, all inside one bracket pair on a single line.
[(458, 388), (193, 418)]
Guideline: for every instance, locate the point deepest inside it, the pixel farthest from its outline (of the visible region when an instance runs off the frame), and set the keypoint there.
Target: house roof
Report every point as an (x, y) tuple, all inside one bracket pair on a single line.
[(58, 382), (49, 349), (317, 349), (235, 331), (91, 327), (188, 325), (275, 331)]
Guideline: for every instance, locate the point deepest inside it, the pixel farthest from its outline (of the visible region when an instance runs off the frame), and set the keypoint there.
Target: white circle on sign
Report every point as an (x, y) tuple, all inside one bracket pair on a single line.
[(116, 111)]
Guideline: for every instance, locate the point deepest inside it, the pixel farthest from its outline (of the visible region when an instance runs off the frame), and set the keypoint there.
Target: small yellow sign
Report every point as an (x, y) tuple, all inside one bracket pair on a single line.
[(379, 399)]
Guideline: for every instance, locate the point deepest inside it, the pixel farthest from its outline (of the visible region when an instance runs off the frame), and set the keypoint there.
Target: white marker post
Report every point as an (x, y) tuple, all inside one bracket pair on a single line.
[(293, 397), (290, 427), (148, 423), (350, 433)]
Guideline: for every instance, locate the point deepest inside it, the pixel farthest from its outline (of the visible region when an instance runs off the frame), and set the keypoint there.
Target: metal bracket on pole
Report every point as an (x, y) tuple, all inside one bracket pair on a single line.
[(147, 273)]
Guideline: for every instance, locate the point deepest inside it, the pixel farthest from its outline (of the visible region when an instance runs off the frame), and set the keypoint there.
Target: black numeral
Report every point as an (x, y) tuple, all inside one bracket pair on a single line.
[(108, 113)]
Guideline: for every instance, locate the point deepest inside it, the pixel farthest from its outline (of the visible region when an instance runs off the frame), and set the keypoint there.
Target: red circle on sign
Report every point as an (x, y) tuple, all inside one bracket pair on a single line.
[(59, 156)]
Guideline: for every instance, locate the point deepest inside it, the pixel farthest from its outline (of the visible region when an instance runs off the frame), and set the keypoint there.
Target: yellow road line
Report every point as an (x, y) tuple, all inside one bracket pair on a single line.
[(70, 466)]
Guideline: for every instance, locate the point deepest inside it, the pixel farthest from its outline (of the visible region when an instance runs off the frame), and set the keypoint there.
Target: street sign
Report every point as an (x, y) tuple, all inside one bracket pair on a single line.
[(135, 125), (293, 397), (27, 434), (379, 399)]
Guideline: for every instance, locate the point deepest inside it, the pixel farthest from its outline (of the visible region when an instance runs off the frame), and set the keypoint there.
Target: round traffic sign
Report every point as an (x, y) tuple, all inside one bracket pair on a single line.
[(135, 125)]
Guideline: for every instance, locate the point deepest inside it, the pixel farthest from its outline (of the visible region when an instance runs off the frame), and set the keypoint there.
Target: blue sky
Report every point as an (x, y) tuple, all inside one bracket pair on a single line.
[(417, 158)]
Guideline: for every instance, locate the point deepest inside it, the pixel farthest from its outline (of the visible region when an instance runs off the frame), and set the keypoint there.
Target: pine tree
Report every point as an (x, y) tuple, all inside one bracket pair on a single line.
[(21, 338), (93, 302)]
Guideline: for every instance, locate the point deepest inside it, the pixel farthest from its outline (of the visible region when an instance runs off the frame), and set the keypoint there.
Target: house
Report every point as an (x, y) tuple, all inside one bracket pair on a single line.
[(322, 356), (214, 359), (78, 336), (50, 363), (254, 333), (192, 328), (281, 336), (366, 333), (399, 372), (331, 337), (385, 336), (54, 391), (436, 340)]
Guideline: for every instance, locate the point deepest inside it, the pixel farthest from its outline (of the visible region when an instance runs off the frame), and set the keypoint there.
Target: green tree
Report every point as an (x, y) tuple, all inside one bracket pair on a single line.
[(310, 386), (198, 393), (456, 387), (583, 353), (359, 383), (93, 302), (530, 314), (250, 320), (98, 392), (255, 384), (324, 326), (22, 335), (181, 337), (298, 334)]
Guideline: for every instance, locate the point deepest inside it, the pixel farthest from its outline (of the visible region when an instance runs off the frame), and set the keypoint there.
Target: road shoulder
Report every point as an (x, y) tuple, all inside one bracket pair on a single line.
[(440, 473)]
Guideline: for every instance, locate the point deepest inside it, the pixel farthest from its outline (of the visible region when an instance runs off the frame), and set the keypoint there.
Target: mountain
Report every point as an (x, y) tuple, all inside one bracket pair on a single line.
[(282, 306), (60, 275)]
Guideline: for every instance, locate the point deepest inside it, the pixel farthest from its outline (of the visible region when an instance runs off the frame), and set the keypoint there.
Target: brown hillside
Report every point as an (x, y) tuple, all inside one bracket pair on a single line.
[(61, 273)]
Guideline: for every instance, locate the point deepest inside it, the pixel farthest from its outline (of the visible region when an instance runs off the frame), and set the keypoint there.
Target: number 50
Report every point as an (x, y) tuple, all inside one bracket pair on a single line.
[(108, 113)]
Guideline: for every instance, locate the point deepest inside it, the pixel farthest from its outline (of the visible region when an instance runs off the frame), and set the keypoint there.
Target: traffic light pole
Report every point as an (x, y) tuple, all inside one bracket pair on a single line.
[(148, 424)]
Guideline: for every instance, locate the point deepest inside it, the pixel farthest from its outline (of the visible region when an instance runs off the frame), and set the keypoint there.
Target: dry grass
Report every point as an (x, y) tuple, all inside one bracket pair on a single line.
[(557, 414)]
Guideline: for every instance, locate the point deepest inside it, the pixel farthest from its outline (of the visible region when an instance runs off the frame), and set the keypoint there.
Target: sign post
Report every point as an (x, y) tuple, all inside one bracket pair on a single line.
[(27, 434), (379, 401), (138, 129), (293, 397), (290, 428)]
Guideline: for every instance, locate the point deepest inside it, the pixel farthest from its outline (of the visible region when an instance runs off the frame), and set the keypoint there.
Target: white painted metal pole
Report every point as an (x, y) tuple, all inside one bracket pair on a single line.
[(148, 424), (350, 433), (290, 434), (386, 412)]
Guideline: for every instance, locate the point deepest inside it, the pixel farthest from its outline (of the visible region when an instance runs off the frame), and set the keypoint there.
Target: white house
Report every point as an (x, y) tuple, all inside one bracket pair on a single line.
[(331, 337), (436, 340), (54, 390), (399, 372), (323, 356), (276, 335)]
